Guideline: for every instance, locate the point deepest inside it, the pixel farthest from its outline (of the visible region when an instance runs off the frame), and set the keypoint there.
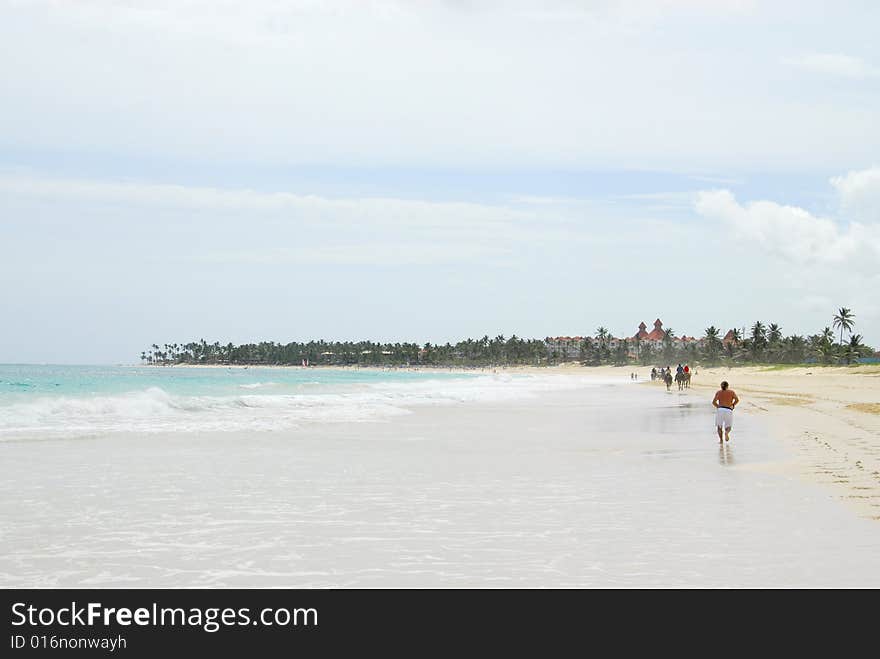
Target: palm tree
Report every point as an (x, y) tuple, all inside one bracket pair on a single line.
[(758, 339), (602, 350), (843, 319), (759, 333), (795, 348), (586, 350), (712, 343), (774, 339), (824, 344), (621, 354), (668, 336), (668, 345), (854, 349)]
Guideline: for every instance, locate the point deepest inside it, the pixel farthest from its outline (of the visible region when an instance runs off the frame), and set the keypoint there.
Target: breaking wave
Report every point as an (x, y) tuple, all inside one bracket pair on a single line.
[(154, 410)]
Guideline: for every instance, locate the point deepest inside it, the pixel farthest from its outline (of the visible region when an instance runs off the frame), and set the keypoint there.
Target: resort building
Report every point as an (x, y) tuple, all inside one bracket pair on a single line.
[(569, 348), (655, 338), (565, 347), (728, 338)]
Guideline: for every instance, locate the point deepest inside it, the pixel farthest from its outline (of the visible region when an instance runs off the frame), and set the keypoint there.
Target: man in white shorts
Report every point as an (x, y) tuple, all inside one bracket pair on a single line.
[(724, 401)]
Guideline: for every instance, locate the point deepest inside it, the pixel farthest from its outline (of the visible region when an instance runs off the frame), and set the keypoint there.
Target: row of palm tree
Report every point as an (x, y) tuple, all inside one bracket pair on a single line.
[(470, 352), (766, 344), (762, 343)]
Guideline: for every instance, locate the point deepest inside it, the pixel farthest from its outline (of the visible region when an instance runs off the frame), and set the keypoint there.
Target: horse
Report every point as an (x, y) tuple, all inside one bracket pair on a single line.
[(668, 380), (680, 379)]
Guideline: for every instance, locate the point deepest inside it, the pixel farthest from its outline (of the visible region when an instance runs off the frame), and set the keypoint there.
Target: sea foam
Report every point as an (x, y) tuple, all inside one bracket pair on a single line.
[(155, 410)]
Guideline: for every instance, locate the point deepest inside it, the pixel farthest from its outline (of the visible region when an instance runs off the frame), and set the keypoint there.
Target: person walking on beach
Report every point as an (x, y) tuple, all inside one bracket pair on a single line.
[(724, 401)]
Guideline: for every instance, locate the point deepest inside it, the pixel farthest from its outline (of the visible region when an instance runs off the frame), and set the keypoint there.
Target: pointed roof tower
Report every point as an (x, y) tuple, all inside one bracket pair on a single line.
[(657, 334)]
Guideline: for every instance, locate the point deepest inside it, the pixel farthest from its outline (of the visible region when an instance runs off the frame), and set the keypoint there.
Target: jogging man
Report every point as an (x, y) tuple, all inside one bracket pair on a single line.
[(725, 400)]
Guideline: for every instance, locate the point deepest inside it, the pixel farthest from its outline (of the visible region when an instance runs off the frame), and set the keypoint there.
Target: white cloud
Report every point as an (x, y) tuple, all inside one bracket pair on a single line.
[(452, 84), (373, 211), (538, 200), (817, 263), (367, 231), (835, 64), (860, 193), (385, 254), (793, 232)]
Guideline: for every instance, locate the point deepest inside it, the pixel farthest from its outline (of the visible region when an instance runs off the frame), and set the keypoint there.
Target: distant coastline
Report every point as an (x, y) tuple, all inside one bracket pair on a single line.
[(763, 344)]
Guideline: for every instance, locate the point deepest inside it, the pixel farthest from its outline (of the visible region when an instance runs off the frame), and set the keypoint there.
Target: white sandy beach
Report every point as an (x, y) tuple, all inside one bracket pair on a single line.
[(618, 485)]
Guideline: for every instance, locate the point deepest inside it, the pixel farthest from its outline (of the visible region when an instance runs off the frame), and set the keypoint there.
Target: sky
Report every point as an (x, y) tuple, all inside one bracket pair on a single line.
[(429, 171)]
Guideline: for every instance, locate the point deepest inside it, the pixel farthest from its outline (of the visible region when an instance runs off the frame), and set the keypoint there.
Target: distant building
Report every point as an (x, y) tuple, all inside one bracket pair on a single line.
[(654, 338), (569, 347), (565, 347), (656, 334)]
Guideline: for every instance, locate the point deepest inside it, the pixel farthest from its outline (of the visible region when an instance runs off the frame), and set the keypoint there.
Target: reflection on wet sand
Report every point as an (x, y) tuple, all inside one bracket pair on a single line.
[(725, 454)]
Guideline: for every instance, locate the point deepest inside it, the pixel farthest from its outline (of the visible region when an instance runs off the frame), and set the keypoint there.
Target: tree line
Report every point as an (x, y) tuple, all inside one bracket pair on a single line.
[(760, 344), (470, 352)]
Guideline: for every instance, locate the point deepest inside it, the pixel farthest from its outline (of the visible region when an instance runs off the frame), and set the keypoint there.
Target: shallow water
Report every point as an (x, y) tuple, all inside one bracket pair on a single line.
[(612, 486)]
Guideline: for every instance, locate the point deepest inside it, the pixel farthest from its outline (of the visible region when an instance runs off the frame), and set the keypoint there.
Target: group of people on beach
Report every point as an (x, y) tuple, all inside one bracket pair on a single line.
[(663, 371), (724, 401)]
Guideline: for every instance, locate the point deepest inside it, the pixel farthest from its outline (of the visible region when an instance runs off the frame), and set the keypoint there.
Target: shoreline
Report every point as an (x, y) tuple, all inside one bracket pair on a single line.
[(827, 417), (566, 368)]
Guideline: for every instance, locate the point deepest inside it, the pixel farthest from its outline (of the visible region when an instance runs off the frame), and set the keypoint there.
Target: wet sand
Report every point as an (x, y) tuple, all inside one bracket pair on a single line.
[(827, 417), (622, 486)]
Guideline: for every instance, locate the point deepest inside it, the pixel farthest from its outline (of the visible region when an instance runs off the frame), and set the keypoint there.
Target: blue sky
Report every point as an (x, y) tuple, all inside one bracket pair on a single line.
[(295, 170)]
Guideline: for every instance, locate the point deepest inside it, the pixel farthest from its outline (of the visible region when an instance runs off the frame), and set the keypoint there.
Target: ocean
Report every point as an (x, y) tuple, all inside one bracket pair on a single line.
[(51, 401)]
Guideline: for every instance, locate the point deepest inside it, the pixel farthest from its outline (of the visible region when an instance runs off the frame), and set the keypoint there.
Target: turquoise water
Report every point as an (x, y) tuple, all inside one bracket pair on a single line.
[(44, 401), (20, 382)]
